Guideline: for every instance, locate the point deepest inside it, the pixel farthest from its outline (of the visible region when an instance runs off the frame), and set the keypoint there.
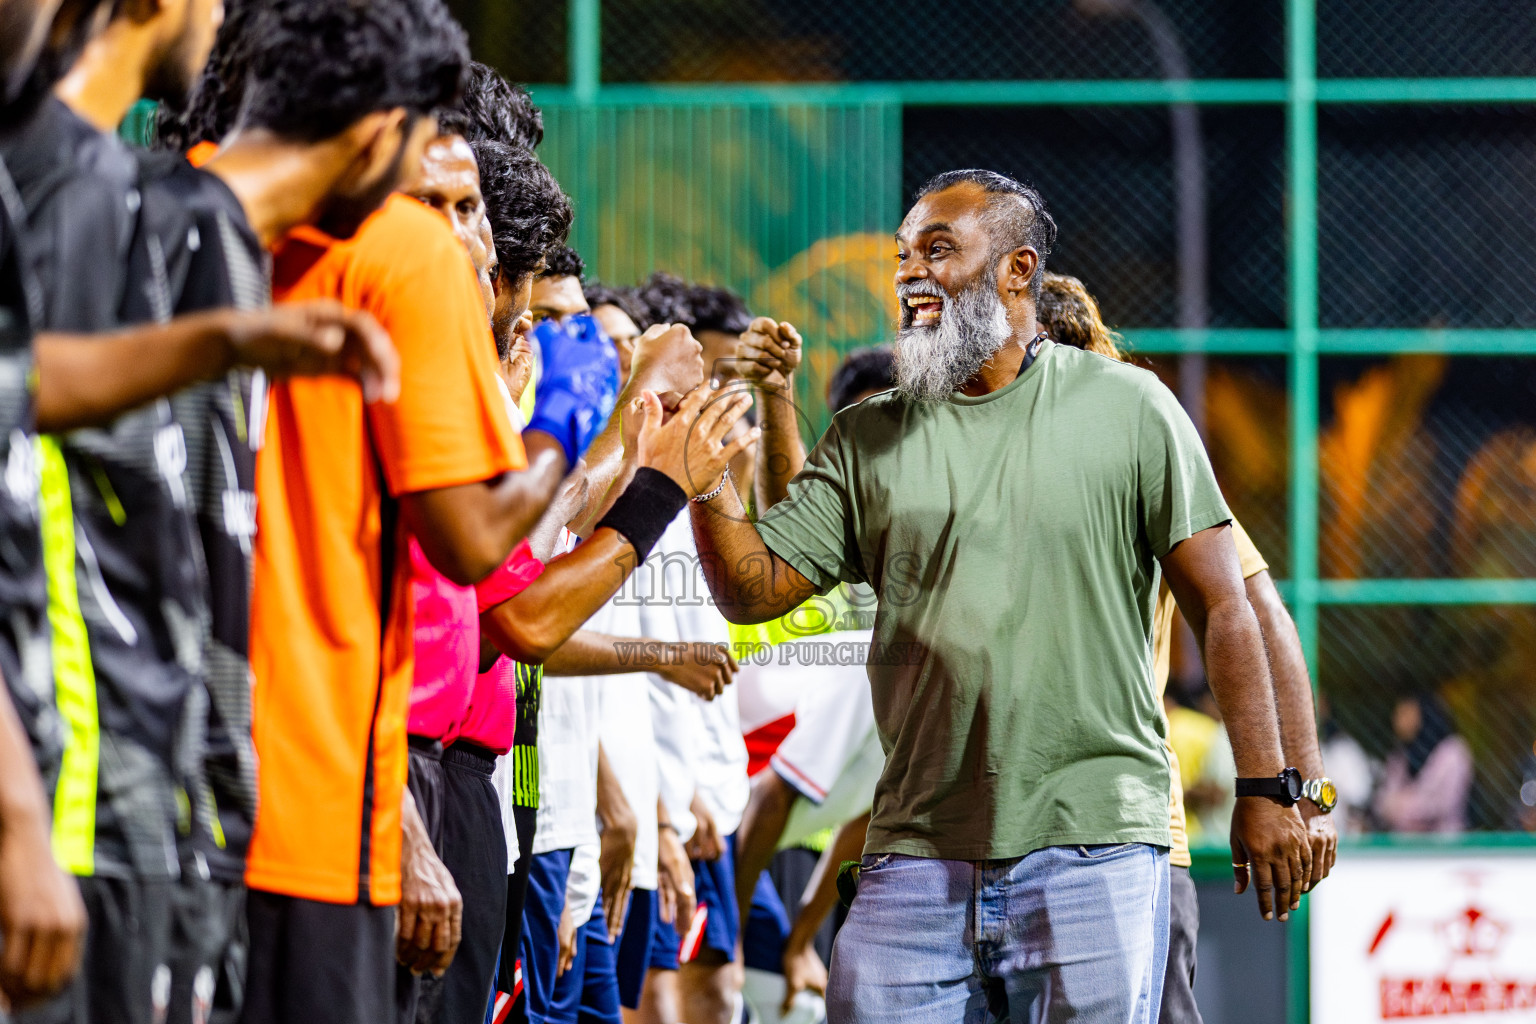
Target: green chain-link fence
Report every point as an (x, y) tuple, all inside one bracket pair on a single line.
[(1354, 256)]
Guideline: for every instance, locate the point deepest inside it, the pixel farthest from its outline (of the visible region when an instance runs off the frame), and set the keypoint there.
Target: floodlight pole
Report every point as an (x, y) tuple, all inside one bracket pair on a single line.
[(1188, 186)]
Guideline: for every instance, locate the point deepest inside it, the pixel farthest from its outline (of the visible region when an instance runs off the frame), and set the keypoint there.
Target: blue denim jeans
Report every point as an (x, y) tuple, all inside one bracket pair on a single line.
[(1068, 933)]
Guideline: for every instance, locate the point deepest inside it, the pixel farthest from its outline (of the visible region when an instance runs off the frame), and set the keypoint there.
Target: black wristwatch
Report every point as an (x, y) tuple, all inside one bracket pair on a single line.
[(1285, 787)]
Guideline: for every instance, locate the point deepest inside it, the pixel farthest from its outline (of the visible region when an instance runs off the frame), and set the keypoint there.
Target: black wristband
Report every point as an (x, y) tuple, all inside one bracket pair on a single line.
[(645, 510)]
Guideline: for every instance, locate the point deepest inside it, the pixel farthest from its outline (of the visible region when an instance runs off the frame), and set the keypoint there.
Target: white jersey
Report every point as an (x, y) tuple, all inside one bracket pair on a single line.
[(721, 765), (568, 718), (624, 729), (698, 742), (674, 724), (583, 884)]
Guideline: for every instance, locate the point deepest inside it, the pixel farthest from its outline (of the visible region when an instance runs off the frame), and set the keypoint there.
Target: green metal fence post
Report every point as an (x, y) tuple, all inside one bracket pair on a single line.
[(584, 48), (1301, 150)]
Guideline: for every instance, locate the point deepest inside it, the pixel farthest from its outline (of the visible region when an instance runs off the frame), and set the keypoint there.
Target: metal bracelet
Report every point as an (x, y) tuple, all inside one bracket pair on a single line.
[(702, 498)]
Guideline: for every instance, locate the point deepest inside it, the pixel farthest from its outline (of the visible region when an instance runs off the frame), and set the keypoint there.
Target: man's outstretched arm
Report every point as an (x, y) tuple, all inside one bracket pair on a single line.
[(532, 624), (702, 669), (748, 581), (87, 380), (1206, 579)]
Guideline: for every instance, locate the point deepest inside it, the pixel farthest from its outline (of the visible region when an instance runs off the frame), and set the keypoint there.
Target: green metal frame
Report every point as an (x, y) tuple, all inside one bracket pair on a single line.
[(1300, 92)]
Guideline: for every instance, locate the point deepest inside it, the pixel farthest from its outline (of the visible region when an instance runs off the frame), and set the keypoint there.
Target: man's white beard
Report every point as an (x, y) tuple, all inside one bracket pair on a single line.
[(933, 362)]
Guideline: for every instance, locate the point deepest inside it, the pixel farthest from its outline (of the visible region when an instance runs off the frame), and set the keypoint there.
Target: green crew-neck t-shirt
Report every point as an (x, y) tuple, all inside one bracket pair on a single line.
[(1012, 542)]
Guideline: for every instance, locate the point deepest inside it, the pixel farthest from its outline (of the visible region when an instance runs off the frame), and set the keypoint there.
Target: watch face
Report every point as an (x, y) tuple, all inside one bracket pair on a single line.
[(1292, 782), (1327, 794)]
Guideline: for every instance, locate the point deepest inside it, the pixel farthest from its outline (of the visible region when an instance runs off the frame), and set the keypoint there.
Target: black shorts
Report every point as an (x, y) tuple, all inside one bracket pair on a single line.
[(475, 852), (124, 975), (320, 963), (208, 951)]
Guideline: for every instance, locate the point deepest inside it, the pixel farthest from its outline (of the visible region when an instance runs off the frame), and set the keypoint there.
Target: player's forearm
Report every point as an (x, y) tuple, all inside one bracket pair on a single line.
[(762, 823), (88, 380), (821, 890), (748, 581), (415, 841), (608, 471), (595, 510), (1238, 670), (1293, 686), (532, 625), (780, 451), (588, 653)]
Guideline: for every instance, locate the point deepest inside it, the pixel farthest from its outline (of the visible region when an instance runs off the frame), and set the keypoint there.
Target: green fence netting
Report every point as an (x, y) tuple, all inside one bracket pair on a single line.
[(791, 205)]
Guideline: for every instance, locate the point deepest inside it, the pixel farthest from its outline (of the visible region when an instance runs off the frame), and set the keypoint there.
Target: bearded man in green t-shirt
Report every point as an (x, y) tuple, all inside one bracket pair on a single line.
[(1013, 503)]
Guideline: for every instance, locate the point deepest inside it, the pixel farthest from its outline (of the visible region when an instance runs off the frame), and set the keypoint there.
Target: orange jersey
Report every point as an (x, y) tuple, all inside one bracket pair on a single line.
[(332, 681)]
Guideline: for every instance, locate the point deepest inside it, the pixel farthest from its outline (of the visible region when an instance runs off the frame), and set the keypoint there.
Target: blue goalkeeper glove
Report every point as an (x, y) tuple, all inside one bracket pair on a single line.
[(579, 383)]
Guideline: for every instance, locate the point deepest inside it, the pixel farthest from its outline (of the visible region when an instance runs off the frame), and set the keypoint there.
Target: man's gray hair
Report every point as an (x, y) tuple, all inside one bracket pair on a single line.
[(1016, 215)]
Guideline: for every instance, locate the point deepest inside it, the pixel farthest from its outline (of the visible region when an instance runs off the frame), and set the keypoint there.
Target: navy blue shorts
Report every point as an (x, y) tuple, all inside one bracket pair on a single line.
[(547, 876), (634, 953), (589, 991), (767, 928), (664, 943), (715, 883)]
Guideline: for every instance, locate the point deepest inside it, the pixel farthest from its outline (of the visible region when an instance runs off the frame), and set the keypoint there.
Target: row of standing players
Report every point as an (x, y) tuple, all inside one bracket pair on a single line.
[(192, 630), (390, 634)]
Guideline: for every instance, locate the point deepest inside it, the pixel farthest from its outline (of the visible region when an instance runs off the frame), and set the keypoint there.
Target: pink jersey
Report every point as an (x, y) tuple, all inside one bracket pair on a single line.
[(447, 646), (492, 714)]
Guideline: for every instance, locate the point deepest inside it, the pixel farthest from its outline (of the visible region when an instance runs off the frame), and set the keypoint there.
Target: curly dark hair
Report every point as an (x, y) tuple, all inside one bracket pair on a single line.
[(599, 294), (865, 369), (563, 261), (313, 67), (1070, 314), (491, 108), (529, 213), (664, 299), (718, 309)]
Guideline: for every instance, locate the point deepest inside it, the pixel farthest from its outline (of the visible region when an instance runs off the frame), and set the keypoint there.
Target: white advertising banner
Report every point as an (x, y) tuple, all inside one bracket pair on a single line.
[(1398, 937)]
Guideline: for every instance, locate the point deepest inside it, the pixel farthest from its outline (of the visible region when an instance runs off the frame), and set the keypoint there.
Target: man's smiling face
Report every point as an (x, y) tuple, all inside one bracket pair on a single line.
[(942, 247), (952, 315)]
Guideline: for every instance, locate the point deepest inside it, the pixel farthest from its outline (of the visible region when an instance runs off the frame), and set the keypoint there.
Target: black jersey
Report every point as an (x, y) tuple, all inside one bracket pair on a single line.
[(212, 259), (23, 583), (127, 603)]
